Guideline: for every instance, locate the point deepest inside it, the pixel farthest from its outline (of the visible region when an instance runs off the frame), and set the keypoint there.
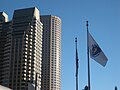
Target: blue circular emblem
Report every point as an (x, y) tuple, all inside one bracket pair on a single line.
[(95, 50)]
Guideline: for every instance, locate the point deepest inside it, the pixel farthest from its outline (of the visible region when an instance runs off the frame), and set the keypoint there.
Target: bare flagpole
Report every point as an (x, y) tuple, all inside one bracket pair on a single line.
[(76, 65), (88, 56)]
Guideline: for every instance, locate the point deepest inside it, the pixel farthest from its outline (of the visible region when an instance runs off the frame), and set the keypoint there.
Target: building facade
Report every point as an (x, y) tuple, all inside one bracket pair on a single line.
[(51, 56), (5, 48), (24, 50)]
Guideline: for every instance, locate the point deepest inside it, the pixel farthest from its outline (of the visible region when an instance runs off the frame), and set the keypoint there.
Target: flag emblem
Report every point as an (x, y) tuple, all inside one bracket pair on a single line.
[(95, 50)]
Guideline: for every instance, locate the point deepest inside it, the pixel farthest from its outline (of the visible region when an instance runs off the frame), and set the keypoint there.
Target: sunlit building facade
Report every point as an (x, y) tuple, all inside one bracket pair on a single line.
[(51, 56), (24, 50)]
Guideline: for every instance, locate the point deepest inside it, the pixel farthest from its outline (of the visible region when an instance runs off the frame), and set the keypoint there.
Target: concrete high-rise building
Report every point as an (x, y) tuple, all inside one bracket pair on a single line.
[(21, 49), (5, 48), (51, 56)]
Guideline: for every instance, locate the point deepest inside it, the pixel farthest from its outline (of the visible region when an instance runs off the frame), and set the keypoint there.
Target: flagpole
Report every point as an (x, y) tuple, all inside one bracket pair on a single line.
[(76, 65), (88, 57)]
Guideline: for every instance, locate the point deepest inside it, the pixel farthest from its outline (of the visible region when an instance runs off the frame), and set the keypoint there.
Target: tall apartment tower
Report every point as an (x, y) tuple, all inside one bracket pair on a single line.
[(24, 50), (51, 56), (5, 48)]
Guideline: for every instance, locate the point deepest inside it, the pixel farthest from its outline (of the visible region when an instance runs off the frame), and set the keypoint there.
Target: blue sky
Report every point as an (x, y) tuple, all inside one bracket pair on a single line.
[(104, 25)]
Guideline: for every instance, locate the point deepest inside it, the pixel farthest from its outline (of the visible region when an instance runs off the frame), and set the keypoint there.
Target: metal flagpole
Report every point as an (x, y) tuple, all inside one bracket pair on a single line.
[(76, 65), (88, 56)]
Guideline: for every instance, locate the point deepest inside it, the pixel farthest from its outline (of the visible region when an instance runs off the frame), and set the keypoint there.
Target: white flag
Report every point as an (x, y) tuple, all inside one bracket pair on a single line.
[(95, 51)]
